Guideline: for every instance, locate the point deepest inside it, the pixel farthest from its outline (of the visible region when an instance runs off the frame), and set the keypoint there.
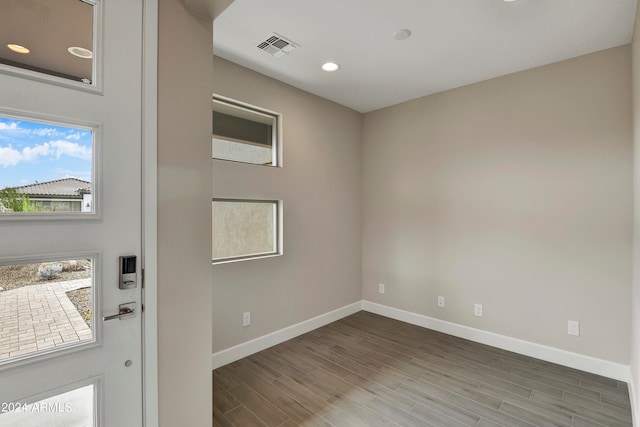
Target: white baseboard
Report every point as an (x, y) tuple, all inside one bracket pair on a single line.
[(248, 348), (594, 365)]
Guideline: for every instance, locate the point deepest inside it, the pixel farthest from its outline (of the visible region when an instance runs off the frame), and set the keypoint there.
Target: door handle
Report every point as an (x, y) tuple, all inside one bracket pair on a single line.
[(125, 311)]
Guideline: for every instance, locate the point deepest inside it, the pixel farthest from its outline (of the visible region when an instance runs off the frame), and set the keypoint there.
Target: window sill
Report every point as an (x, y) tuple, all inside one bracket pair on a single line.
[(245, 258)]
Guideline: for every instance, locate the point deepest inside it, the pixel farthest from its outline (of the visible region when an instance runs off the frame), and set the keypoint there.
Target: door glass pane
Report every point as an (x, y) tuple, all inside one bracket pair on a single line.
[(50, 37), (45, 168), (73, 408), (45, 307)]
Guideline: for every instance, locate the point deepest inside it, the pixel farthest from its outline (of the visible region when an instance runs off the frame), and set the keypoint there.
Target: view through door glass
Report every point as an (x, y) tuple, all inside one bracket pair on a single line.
[(50, 37), (45, 307), (47, 168)]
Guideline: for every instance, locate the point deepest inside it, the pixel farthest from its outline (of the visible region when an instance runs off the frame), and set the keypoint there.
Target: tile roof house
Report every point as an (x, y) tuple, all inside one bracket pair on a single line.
[(60, 195)]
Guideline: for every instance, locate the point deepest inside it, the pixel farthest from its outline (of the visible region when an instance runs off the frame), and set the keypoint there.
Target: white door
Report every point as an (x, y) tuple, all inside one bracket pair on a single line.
[(70, 165)]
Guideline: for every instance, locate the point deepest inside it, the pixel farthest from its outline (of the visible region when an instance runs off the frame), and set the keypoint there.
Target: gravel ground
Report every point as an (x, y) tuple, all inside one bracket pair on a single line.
[(81, 298), (17, 276)]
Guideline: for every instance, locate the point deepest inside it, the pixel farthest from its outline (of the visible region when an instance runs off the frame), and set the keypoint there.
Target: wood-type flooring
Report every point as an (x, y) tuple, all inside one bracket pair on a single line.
[(368, 370)]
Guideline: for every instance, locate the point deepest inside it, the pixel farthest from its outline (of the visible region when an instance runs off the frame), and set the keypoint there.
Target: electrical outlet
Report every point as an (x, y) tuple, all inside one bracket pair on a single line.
[(573, 328), (440, 301), (381, 288), (477, 310), (246, 318)]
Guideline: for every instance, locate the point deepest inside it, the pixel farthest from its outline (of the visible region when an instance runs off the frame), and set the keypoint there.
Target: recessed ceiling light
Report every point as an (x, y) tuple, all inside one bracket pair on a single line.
[(402, 34), (17, 48), (80, 52), (508, 1), (330, 67)]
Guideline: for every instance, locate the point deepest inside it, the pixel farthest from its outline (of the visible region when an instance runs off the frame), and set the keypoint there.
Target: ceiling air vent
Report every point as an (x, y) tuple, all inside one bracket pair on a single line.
[(276, 45)]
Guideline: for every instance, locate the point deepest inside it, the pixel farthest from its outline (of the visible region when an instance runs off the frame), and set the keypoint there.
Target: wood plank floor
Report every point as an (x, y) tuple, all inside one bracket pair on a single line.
[(367, 370)]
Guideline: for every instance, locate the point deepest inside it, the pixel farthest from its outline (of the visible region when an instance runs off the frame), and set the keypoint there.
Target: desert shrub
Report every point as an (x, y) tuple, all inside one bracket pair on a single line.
[(49, 270), (72, 265)]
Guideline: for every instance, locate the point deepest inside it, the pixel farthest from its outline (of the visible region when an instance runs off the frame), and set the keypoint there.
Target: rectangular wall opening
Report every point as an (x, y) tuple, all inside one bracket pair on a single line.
[(245, 229), (245, 134)]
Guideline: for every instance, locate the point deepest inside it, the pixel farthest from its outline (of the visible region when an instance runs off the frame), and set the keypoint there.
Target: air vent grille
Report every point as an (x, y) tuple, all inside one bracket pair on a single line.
[(276, 45)]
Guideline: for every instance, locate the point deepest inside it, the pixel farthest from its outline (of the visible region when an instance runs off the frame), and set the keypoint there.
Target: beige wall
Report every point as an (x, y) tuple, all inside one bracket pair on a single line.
[(184, 217), (514, 193), (635, 295), (320, 187)]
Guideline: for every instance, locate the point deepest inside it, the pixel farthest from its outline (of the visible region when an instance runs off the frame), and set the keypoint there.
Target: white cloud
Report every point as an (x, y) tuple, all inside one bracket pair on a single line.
[(66, 148), (75, 135), (8, 126), (50, 132), (11, 157), (32, 153)]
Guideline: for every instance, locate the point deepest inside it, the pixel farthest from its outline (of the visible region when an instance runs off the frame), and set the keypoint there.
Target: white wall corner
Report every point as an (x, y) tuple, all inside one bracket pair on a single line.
[(632, 398), (590, 364), (229, 355), (206, 9), (219, 6), (203, 8)]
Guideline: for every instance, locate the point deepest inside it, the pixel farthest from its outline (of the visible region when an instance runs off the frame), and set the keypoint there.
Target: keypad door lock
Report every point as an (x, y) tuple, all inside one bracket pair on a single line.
[(128, 275)]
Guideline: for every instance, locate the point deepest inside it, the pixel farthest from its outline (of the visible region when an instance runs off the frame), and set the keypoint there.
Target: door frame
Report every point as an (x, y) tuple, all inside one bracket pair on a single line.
[(149, 167)]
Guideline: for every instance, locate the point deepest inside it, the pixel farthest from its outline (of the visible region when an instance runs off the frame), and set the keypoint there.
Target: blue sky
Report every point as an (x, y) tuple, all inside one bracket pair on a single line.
[(31, 152)]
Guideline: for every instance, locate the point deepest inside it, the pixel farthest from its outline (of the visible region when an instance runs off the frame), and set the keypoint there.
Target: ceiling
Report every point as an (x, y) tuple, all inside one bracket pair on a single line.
[(453, 42)]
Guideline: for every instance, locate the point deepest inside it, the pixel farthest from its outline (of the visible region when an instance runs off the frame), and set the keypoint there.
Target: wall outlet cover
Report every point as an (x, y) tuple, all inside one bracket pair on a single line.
[(381, 288), (573, 328), (440, 301), (477, 310)]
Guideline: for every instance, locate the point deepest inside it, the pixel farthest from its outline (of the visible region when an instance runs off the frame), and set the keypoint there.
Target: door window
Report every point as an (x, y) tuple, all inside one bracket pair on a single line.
[(75, 407), (46, 306), (45, 168), (50, 38)]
